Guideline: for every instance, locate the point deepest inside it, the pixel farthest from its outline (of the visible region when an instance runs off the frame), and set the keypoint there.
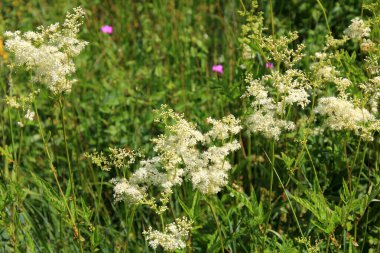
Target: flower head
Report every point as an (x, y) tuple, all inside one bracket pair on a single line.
[(172, 238), (30, 115), (269, 65), (107, 29), (218, 68), (358, 29), (49, 51)]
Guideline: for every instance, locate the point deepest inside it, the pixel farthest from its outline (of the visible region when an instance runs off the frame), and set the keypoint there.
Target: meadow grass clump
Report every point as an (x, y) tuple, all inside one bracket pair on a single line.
[(226, 126)]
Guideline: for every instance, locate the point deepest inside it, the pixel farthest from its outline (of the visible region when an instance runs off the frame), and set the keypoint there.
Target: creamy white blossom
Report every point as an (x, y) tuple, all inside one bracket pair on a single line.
[(48, 53), (210, 173), (343, 115), (12, 102), (366, 45), (172, 238), (123, 190), (327, 72), (268, 125), (30, 115), (223, 129), (268, 113), (358, 29)]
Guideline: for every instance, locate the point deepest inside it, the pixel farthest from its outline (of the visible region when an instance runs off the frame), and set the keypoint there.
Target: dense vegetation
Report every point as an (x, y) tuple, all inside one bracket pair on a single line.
[(190, 126)]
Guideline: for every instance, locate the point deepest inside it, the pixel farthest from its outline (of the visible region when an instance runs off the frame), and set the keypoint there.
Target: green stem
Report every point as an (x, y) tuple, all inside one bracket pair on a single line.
[(250, 178), (270, 193), (15, 167), (361, 168), (365, 230), (324, 15), (55, 174), (61, 107), (130, 222), (313, 166), (217, 224), (290, 203), (271, 16), (162, 222)]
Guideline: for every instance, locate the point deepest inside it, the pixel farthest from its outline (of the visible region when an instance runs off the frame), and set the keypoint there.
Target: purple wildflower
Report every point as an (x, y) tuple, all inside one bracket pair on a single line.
[(218, 68), (106, 29)]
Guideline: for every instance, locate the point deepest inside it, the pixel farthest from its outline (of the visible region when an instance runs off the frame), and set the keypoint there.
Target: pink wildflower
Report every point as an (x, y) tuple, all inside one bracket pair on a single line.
[(269, 65), (218, 68), (106, 29)]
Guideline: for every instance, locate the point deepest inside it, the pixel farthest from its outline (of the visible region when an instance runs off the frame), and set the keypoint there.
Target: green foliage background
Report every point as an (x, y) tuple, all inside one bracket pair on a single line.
[(161, 52)]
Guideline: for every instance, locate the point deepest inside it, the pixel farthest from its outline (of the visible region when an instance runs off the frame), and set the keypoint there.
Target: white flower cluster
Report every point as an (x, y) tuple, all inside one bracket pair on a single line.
[(123, 190), (30, 115), (24, 104), (343, 112), (324, 72), (268, 115), (371, 90), (172, 238), (358, 29), (343, 115), (366, 45), (48, 52), (327, 72), (183, 152), (223, 129)]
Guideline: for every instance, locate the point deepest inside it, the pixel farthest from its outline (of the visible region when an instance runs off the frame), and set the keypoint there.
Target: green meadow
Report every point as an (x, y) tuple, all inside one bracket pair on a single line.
[(190, 126)]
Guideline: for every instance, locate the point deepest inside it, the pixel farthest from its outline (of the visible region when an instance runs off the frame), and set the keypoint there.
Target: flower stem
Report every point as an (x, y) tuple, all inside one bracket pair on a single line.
[(270, 193), (55, 174), (61, 106), (217, 224), (324, 15), (313, 166)]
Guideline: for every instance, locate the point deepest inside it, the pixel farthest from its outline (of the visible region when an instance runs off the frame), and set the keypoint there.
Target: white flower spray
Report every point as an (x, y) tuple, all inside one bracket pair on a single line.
[(48, 52), (182, 153)]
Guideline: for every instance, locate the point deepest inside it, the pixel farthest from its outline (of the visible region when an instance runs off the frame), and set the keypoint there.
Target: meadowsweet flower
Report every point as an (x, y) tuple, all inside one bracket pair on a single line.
[(371, 92), (366, 45), (342, 84), (269, 65), (268, 124), (181, 157), (117, 158), (107, 29), (149, 174), (327, 72), (267, 116), (320, 55), (343, 115), (49, 51), (297, 96), (247, 52), (209, 171), (358, 29), (30, 115), (182, 153), (172, 238), (222, 129), (218, 68), (125, 191), (12, 102)]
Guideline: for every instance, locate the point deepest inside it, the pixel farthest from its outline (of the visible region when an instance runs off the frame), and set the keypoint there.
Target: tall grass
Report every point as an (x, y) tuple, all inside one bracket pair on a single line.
[(312, 188)]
